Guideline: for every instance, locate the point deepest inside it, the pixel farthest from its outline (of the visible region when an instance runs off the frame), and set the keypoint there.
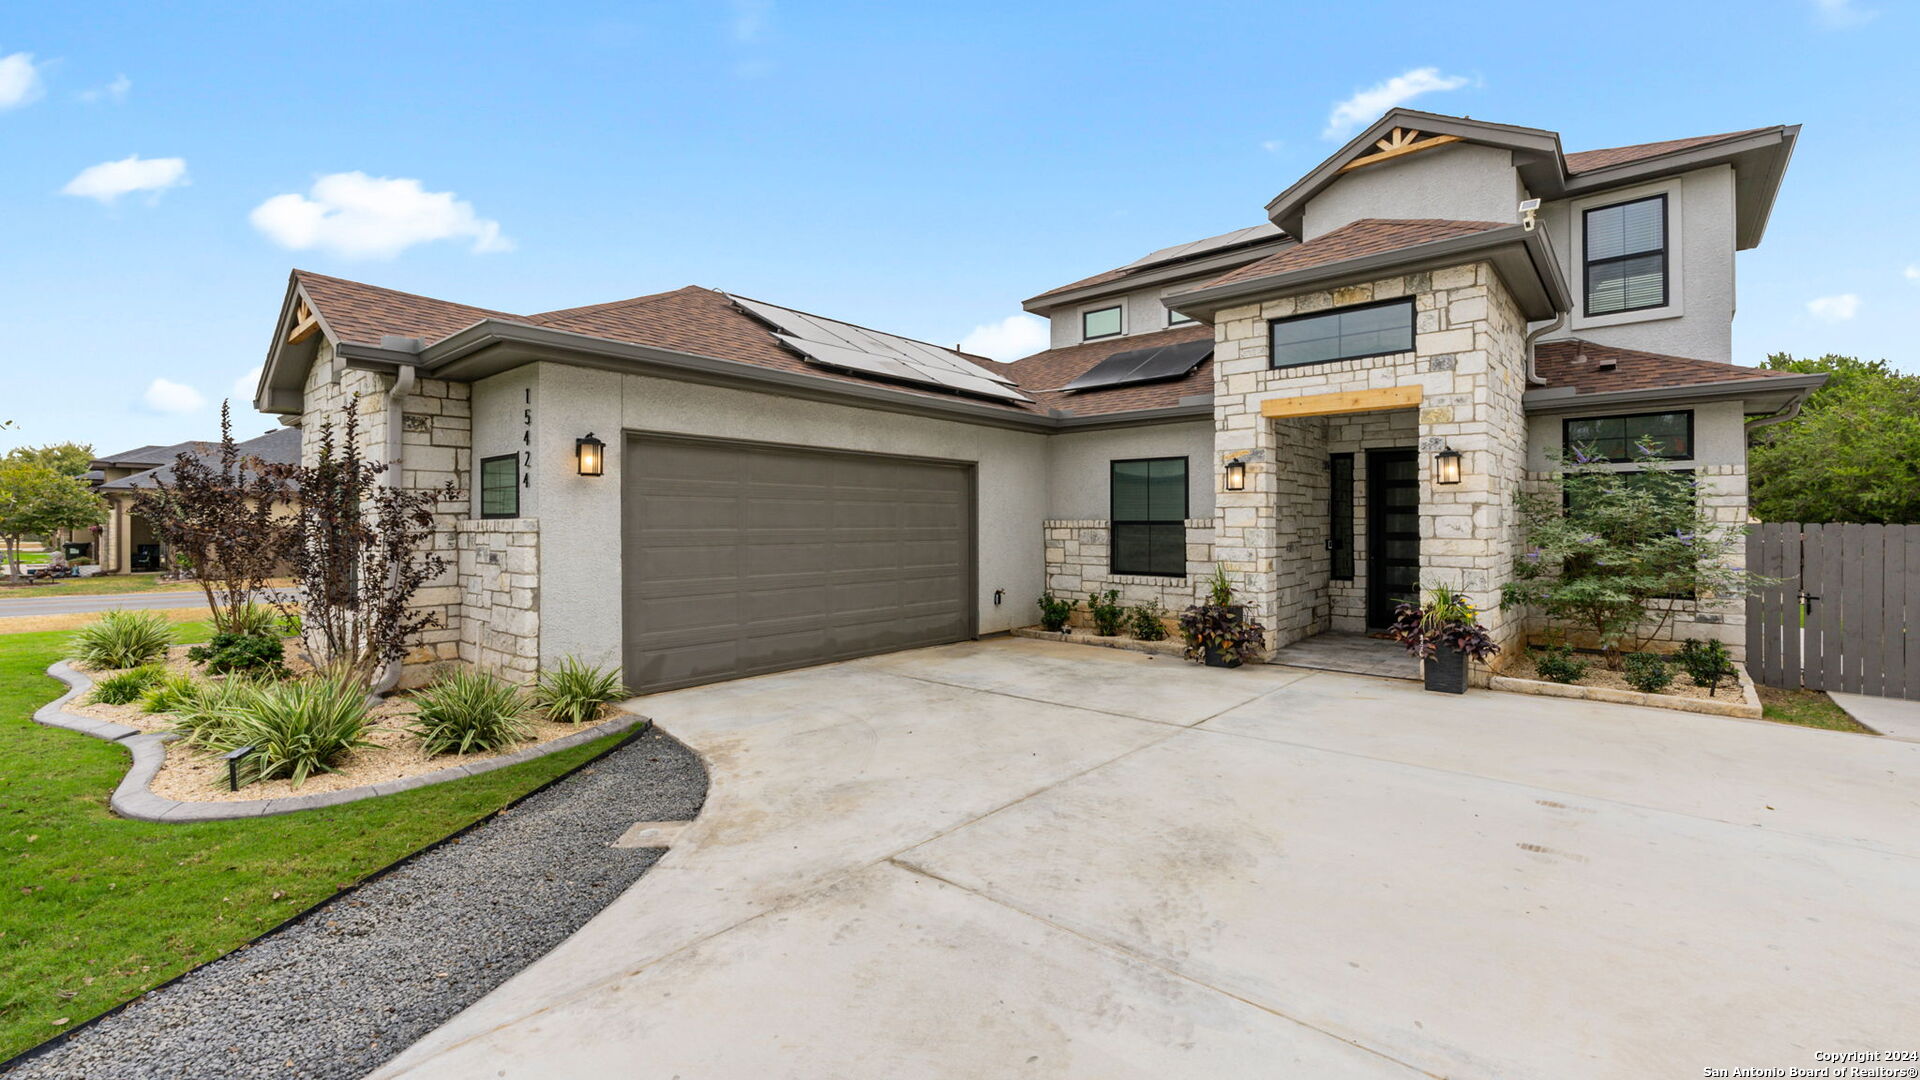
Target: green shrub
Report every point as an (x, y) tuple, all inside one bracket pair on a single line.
[(1144, 622), (127, 686), (572, 692), (463, 711), (1107, 612), (169, 693), (1054, 612), (1646, 672), (242, 654), (121, 639), (1555, 663), (1707, 663), (205, 716), (298, 728)]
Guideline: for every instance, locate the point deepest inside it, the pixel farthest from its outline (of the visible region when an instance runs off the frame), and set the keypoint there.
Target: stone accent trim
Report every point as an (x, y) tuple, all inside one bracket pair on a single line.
[(1747, 708), (1077, 554), (499, 576)]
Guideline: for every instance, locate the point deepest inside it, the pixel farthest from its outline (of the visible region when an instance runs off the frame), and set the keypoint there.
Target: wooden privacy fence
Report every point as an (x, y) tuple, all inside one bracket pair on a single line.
[(1843, 611)]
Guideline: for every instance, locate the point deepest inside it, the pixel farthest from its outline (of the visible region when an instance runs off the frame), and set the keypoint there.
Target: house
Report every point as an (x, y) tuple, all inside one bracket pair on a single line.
[(1337, 404), (128, 542)]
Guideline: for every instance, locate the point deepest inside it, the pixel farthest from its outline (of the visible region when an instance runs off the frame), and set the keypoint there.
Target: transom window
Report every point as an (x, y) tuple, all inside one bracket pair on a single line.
[(1103, 322), (1343, 334), (1174, 318), (500, 486), (1612, 438), (1149, 517), (1626, 255)]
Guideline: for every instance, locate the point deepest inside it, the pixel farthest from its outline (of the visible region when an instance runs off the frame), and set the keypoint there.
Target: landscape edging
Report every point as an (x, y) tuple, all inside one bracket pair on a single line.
[(135, 799)]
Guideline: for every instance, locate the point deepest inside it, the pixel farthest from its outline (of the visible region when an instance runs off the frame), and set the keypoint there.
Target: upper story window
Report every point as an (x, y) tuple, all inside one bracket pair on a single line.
[(1343, 334), (1174, 318), (1100, 322), (1612, 438), (1626, 256), (1149, 517), (500, 486)]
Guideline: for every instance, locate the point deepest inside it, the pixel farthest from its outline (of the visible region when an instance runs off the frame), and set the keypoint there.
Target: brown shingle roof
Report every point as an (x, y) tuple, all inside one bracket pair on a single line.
[(1591, 368), (1368, 236), (1144, 265), (362, 313), (1042, 374), (1589, 160)]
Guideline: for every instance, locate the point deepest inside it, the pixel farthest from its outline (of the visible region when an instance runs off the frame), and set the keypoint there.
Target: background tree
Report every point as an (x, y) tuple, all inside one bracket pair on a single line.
[(1853, 453), (361, 550), (67, 458), (222, 511), (36, 500)]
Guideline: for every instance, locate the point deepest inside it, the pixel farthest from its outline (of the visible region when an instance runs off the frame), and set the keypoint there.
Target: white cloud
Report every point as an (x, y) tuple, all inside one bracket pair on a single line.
[(114, 92), (109, 180), (167, 396), (1834, 308), (1365, 106), (750, 18), (1839, 14), (1274, 146), (1009, 339), (360, 216), (19, 80), (243, 387), (1913, 273)]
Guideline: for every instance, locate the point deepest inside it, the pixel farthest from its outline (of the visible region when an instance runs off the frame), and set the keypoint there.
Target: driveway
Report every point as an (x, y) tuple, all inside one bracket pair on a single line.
[(1021, 858)]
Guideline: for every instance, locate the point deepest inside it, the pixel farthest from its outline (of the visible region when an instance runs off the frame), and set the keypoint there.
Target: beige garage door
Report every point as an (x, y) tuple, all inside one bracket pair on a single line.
[(744, 558)]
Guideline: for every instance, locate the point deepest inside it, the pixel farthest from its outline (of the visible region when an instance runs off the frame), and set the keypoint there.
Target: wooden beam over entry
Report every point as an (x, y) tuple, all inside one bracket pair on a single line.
[(1346, 401)]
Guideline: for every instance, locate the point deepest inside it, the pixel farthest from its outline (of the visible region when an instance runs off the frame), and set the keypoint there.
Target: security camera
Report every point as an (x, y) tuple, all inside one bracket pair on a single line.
[(1529, 208)]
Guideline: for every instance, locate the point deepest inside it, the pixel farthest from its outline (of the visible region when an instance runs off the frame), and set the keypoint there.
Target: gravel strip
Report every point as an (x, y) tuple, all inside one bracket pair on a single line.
[(358, 979)]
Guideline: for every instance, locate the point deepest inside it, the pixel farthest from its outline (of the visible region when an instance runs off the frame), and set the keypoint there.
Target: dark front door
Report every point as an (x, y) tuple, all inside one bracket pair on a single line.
[(1393, 532)]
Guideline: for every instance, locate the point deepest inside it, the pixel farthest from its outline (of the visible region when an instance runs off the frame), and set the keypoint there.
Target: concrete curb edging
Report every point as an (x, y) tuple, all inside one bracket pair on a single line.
[(1747, 708), (135, 799)]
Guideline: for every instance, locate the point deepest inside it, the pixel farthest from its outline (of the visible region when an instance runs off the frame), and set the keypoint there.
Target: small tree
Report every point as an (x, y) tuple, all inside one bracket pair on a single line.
[(1616, 552), (67, 458), (38, 500), (220, 514), (1853, 453), (361, 550)]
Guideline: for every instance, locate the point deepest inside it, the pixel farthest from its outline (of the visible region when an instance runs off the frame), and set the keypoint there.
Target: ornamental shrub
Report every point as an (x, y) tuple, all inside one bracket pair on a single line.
[(1054, 612), (169, 693), (1707, 663), (242, 654), (573, 693), (465, 711), (1647, 672), (1555, 663), (126, 686), (1107, 612), (121, 639), (301, 727), (1145, 622)]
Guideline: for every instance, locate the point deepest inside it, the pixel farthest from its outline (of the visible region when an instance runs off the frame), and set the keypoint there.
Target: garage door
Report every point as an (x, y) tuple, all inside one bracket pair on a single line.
[(743, 558)]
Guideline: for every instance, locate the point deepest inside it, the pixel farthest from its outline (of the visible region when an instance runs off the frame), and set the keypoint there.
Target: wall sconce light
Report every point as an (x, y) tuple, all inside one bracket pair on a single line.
[(1236, 475), (1446, 466), (591, 455)]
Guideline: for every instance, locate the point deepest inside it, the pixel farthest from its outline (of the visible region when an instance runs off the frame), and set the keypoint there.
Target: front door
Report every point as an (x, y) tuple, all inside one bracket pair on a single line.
[(1393, 533)]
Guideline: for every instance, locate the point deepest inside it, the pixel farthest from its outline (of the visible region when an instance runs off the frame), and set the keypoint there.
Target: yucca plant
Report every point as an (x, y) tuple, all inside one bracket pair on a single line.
[(254, 620), (121, 639), (464, 711), (127, 686), (299, 728), (204, 716), (573, 692), (169, 693)]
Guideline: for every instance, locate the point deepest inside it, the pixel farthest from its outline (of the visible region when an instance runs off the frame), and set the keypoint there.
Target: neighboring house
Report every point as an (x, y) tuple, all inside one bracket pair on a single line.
[(128, 542), (699, 485)]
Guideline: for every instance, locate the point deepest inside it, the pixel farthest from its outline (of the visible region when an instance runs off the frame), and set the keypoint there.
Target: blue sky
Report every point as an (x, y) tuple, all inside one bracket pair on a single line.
[(915, 167)]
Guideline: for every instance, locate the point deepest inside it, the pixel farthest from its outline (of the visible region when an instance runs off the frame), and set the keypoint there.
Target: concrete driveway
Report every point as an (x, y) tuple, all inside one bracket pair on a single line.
[(1020, 858)]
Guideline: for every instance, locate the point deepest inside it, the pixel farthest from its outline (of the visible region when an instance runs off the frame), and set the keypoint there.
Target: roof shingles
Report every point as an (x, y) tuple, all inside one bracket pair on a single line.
[(1044, 373), (1591, 368), (1368, 236)]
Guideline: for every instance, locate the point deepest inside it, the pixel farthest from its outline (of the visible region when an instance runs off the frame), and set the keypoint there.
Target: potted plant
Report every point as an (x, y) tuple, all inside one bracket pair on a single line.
[(1444, 633), (1218, 632)]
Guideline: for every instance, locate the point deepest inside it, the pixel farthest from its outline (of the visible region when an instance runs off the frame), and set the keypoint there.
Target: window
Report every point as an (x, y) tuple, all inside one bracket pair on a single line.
[(1104, 322), (1612, 438), (1149, 517), (1340, 514), (500, 486), (1345, 334), (1174, 318), (1626, 255)]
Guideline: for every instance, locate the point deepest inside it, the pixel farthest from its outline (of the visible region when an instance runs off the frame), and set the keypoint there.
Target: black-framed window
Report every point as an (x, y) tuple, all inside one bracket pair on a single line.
[(500, 486), (1149, 508), (1174, 318), (1340, 514), (1100, 322), (1612, 438), (1343, 334), (1625, 249)]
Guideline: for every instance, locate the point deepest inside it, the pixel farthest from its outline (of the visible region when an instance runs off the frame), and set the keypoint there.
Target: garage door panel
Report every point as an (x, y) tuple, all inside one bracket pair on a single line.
[(743, 559)]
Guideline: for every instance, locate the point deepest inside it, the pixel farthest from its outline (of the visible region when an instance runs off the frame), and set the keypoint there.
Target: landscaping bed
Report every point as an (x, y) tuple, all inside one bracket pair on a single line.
[(1171, 646), (1519, 674)]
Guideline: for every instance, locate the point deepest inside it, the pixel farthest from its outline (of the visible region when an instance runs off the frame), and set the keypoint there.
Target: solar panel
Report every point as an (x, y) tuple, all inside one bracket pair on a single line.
[(835, 344), (1144, 365), (1247, 235)]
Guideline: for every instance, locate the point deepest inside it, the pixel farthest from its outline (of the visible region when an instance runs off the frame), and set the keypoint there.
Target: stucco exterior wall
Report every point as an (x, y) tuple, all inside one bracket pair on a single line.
[(1143, 310), (1079, 466), (1463, 182), (501, 406)]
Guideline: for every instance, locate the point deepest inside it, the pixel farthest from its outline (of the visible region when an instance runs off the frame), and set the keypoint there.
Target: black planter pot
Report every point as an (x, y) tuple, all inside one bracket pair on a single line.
[(1216, 658), (1446, 673)]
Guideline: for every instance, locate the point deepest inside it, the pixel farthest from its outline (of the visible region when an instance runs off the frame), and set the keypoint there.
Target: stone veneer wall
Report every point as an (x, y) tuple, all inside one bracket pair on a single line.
[(1468, 360), (500, 596), (1077, 558)]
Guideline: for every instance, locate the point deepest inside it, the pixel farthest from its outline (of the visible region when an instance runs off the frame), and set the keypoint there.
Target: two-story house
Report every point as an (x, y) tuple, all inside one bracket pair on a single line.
[(1337, 406)]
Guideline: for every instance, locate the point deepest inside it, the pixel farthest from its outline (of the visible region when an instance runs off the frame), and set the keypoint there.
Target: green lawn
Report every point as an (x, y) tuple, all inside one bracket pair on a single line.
[(101, 909), (1808, 708), (96, 586)]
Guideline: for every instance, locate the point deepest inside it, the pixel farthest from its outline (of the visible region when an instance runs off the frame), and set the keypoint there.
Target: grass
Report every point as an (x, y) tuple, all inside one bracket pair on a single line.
[(99, 909), (98, 586), (1808, 708)]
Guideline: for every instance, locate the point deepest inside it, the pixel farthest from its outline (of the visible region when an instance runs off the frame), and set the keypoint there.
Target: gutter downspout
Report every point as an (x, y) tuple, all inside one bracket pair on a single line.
[(1533, 368), (1792, 410), (397, 394)]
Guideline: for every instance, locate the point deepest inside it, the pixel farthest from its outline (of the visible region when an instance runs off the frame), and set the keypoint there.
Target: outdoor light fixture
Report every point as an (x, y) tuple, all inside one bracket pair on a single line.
[(1446, 466), (1237, 475), (591, 454)]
